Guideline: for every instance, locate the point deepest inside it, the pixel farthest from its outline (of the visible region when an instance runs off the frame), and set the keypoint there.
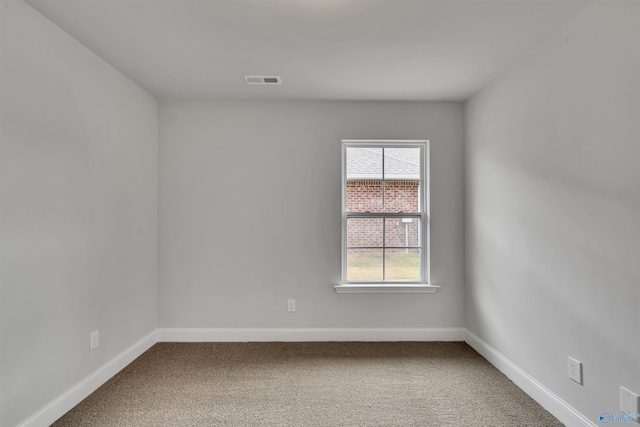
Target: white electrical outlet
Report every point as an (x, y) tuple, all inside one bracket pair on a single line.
[(94, 340), (630, 403), (575, 370), (291, 305)]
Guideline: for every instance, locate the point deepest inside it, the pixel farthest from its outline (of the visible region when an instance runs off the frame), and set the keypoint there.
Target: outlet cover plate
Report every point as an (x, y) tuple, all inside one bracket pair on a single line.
[(575, 370), (630, 403), (291, 305)]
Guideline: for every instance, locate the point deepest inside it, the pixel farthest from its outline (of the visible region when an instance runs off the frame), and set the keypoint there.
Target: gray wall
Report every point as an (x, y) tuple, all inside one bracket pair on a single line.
[(272, 170), (553, 209), (79, 212)]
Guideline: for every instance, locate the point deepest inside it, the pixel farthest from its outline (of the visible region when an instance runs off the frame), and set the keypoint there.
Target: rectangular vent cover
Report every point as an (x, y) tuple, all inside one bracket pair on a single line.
[(263, 80)]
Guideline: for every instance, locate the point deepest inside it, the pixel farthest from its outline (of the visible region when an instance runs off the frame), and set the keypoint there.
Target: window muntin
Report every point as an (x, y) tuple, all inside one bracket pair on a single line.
[(385, 217)]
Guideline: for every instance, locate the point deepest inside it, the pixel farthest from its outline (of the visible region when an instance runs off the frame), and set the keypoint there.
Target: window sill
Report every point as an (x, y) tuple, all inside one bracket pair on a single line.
[(366, 288)]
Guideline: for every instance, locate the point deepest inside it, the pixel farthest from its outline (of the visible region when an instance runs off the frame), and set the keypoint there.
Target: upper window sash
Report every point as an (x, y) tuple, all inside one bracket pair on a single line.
[(384, 172)]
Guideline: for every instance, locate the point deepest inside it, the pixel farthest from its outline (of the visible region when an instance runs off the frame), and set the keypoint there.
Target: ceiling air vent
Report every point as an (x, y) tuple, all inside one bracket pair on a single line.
[(263, 80)]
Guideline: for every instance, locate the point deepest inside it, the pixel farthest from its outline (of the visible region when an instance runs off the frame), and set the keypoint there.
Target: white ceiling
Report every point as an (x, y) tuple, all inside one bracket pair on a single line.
[(322, 49)]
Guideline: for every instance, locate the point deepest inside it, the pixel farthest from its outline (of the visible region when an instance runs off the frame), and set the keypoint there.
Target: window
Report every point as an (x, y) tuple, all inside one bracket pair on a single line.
[(385, 216)]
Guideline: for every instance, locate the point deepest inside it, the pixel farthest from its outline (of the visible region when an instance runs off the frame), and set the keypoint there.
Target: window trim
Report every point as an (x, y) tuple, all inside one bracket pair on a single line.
[(423, 285)]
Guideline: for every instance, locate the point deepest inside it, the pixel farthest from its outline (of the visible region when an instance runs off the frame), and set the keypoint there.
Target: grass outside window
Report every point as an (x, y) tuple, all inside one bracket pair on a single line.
[(400, 265)]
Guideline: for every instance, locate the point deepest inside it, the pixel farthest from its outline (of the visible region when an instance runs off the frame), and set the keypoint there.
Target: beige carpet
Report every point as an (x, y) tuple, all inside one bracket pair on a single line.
[(309, 384)]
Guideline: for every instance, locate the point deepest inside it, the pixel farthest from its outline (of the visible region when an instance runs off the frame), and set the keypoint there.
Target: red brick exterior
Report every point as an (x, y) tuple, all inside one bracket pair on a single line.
[(367, 196)]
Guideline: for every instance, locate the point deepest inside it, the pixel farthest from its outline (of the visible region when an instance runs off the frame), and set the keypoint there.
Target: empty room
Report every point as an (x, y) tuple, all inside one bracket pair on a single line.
[(319, 213)]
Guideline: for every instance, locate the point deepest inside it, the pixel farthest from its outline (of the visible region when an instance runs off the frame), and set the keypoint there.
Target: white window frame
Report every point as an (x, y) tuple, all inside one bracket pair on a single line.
[(423, 285)]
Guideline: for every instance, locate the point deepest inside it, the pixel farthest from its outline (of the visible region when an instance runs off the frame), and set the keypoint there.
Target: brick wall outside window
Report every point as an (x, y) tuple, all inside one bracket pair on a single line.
[(367, 196)]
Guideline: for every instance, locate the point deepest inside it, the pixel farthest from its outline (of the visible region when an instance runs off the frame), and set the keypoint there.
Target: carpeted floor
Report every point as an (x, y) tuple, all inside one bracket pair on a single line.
[(309, 384)]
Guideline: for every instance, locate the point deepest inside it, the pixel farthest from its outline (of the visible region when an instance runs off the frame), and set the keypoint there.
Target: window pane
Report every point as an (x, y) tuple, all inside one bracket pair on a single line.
[(364, 163), (401, 196), (402, 264), (401, 232), (364, 179), (402, 163), (364, 264), (364, 232), (363, 196), (402, 170)]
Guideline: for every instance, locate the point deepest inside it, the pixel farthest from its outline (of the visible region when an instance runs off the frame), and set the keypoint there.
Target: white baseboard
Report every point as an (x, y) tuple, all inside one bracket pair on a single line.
[(61, 405), (310, 334), (548, 400)]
